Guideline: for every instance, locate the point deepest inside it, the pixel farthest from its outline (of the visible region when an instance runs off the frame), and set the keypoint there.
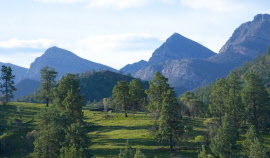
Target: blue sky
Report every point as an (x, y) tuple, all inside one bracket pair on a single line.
[(116, 32)]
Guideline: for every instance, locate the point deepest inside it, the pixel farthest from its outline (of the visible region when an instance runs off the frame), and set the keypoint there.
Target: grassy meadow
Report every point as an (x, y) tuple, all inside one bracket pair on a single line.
[(108, 136)]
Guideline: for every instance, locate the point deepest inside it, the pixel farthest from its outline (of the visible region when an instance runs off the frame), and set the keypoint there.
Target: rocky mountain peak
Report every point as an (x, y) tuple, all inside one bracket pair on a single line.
[(179, 47), (251, 38), (262, 17)]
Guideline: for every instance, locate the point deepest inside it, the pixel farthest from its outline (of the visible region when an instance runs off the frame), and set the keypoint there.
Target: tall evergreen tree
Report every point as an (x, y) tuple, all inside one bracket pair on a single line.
[(50, 134), (157, 87), (170, 124), (48, 76), (73, 107), (121, 95), (217, 98), (7, 85), (224, 143), (233, 101), (65, 84), (256, 99), (137, 95)]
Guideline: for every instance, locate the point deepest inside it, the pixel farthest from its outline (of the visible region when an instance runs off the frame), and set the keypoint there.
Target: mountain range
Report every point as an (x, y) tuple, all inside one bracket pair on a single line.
[(186, 63)]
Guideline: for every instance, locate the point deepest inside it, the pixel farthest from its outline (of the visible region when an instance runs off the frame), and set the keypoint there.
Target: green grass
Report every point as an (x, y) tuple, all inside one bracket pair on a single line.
[(108, 136)]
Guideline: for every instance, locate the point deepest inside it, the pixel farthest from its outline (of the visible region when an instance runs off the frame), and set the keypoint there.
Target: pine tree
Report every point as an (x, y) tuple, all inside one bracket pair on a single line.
[(157, 86), (217, 98), (137, 95), (71, 152), (48, 76), (170, 124), (73, 107), (233, 101), (7, 86), (256, 99), (121, 95), (252, 146), (67, 83), (224, 143), (50, 134)]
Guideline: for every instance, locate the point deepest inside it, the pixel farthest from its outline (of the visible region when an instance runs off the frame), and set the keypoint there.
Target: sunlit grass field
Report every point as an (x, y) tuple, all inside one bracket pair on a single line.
[(108, 136)]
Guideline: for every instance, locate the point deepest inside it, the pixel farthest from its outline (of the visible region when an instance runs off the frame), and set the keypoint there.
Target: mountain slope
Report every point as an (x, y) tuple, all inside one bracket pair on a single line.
[(248, 41), (18, 71), (179, 47), (26, 87), (63, 61)]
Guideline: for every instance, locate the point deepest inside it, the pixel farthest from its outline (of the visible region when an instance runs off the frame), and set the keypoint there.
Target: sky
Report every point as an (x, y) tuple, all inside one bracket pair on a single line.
[(116, 32)]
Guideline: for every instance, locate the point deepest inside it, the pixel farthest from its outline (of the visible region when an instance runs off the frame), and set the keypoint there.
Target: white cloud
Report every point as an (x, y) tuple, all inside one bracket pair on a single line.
[(120, 4), (213, 5), (116, 50), (15, 43), (61, 1), (117, 3)]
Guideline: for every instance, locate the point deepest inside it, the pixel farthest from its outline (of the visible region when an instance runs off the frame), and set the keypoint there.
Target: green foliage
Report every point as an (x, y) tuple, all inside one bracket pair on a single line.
[(195, 107), (256, 99), (6, 84), (73, 107), (170, 124), (99, 85), (121, 96), (127, 152), (199, 139), (157, 87), (203, 153), (48, 76), (51, 133), (139, 154), (71, 152), (137, 95), (218, 94), (257, 150), (65, 84), (224, 143)]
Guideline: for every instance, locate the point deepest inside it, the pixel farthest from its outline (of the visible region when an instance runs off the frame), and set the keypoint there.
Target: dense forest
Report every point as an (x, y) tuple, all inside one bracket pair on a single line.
[(229, 118)]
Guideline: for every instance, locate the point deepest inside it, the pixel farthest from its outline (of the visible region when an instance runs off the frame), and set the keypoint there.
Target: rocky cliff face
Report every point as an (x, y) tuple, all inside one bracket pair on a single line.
[(187, 71), (63, 62)]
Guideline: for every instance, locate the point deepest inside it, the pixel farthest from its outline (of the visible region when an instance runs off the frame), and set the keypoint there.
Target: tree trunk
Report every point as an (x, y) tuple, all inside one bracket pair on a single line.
[(126, 111), (47, 102), (171, 143)]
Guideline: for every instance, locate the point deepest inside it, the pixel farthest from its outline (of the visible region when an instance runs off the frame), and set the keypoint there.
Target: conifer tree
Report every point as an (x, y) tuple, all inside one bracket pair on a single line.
[(256, 99), (7, 85), (127, 152), (121, 95), (48, 76), (73, 107), (217, 98), (66, 83), (224, 143), (170, 124), (157, 86), (137, 95), (233, 101)]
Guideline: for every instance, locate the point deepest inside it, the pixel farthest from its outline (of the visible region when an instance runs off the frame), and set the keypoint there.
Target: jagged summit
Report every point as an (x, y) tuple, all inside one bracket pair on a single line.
[(180, 47)]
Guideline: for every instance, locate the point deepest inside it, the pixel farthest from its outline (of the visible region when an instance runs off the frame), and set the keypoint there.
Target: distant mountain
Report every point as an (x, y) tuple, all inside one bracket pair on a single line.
[(26, 87), (176, 47), (179, 47), (18, 71), (63, 61), (187, 71)]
